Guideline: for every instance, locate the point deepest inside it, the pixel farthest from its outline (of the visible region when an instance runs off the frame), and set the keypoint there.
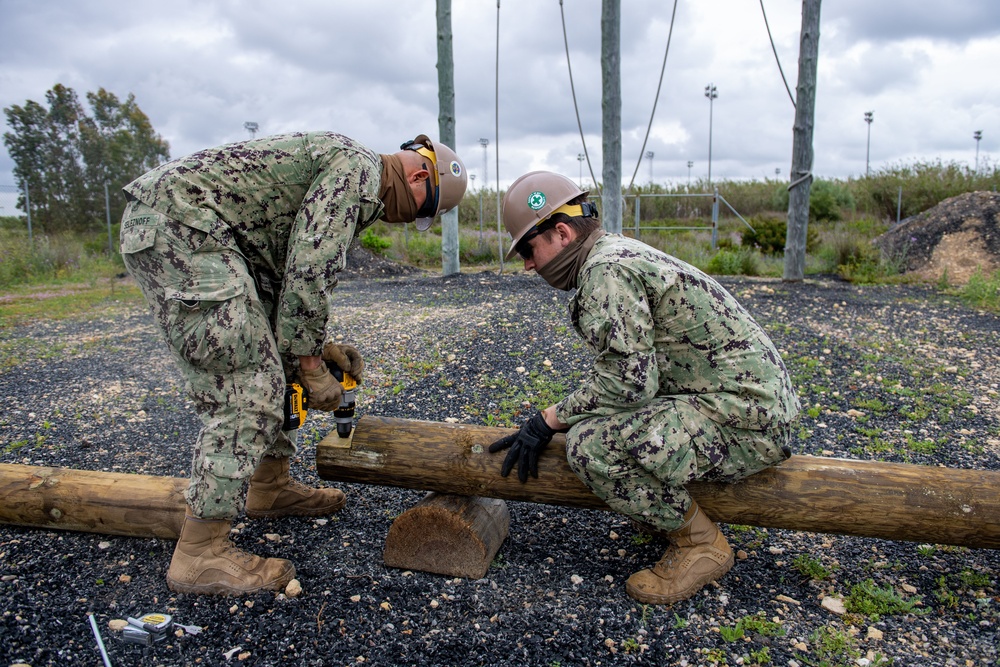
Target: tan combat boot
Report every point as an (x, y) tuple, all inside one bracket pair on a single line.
[(699, 554), (274, 493), (206, 562)]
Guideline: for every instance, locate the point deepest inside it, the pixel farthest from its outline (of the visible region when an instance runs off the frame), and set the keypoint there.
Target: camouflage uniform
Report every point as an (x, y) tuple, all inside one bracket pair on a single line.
[(685, 384), (236, 249)]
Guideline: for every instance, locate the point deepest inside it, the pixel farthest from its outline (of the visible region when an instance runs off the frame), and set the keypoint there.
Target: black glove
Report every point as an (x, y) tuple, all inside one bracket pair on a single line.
[(525, 446)]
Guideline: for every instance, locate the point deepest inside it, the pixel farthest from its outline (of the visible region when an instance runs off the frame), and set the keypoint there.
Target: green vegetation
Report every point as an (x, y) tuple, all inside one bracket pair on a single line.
[(811, 567), (982, 291), (831, 648), (845, 216), (372, 241), (874, 602)]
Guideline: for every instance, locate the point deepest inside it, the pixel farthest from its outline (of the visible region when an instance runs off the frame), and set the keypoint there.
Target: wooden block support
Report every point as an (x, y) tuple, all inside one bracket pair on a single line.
[(456, 536), (92, 502), (893, 501)]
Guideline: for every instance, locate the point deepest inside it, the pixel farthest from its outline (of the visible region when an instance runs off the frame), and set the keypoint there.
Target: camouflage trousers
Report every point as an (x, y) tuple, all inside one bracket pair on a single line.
[(638, 462), (207, 307)]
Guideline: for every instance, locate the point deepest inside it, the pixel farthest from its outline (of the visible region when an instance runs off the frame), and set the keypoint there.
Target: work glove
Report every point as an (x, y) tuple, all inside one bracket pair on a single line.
[(347, 357), (525, 446), (324, 390)]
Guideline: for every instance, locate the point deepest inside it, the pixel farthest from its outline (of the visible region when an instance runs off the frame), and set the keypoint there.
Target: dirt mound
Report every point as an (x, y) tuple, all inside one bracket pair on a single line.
[(363, 263), (954, 239)]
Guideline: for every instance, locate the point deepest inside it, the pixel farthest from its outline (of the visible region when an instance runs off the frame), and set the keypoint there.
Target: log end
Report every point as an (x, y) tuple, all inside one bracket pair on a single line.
[(456, 536)]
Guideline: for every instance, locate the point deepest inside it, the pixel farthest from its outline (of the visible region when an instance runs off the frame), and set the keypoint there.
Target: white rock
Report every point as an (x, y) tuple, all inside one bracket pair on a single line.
[(834, 605), (294, 588)]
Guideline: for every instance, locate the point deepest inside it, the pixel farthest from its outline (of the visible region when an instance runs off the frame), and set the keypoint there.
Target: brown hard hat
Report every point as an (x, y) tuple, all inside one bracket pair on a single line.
[(448, 178), (532, 199)]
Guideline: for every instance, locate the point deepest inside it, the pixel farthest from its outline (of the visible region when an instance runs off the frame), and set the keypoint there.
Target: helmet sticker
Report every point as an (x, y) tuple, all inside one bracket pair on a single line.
[(536, 200), (456, 169)]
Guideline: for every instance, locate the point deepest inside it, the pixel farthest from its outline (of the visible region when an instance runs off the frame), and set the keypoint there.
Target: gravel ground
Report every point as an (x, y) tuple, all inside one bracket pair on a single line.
[(889, 373)]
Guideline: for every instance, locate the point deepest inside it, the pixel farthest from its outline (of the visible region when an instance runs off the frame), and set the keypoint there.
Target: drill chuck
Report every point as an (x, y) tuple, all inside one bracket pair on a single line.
[(344, 413)]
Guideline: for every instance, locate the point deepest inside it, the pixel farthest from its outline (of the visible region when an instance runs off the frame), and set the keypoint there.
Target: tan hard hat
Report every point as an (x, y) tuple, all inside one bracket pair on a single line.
[(449, 178), (532, 199)]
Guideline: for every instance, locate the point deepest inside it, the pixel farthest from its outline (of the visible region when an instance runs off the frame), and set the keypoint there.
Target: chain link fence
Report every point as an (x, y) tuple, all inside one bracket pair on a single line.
[(9, 196)]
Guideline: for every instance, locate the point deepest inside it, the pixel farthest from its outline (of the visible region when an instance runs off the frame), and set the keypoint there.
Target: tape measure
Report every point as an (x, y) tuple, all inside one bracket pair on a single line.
[(148, 628)]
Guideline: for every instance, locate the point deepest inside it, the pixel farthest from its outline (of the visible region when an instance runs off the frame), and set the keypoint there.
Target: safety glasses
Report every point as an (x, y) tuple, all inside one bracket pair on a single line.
[(523, 247)]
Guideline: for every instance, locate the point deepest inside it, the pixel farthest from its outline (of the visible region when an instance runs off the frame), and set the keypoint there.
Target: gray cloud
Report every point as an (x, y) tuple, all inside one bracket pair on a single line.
[(201, 69)]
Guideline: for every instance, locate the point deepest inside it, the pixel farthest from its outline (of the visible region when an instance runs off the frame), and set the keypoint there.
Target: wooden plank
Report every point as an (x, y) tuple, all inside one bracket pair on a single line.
[(894, 501), (93, 502)]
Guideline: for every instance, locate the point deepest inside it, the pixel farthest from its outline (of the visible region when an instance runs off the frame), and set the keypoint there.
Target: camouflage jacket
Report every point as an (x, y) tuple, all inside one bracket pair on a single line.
[(290, 204), (659, 327)]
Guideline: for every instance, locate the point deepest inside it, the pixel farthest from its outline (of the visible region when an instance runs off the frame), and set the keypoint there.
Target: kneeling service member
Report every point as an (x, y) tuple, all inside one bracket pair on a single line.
[(684, 386), (236, 249)]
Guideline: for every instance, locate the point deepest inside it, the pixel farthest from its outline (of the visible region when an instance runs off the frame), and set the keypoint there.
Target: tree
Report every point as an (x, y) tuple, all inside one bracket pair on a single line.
[(66, 157)]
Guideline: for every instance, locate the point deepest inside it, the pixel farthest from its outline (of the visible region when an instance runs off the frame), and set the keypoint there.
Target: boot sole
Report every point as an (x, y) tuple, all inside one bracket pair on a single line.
[(221, 589), (652, 598), (273, 514)]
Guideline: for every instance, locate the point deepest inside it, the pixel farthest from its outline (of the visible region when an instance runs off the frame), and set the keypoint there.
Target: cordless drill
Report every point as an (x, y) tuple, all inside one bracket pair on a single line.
[(344, 413), (297, 403)]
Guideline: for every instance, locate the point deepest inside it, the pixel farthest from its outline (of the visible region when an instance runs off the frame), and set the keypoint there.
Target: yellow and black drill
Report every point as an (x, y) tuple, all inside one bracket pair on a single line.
[(297, 403)]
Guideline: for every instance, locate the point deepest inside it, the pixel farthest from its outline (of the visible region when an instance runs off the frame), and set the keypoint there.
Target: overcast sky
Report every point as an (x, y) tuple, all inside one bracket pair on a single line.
[(367, 68)]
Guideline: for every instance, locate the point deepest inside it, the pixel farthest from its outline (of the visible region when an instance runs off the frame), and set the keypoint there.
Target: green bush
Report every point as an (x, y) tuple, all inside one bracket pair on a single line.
[(769, 235), (828, 200), (982, 291), (375, 243), (740, 262)]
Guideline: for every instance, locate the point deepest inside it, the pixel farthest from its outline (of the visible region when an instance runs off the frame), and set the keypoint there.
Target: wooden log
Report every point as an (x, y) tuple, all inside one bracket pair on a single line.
[(867, 498), (456, 536), (93, 502)]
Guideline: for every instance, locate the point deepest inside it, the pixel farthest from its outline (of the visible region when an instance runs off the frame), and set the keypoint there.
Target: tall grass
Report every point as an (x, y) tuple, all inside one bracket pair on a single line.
[(982, 291), (56, 258), (845, 215)]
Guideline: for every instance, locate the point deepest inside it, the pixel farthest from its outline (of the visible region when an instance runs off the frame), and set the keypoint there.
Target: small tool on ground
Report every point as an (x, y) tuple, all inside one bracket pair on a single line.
[(100, 642)]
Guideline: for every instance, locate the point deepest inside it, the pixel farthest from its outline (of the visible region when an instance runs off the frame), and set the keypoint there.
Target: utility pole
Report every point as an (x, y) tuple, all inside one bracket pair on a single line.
[(800, 178), (446, 130), (977, 135), (649, 156), (869, 118), (711, 93), (251, 127), (580, 157), (611, 106), (690, 164)]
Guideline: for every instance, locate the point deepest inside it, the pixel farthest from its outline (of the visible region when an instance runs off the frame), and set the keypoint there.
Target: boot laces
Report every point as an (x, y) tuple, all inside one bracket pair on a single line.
[(298, 487), (238, 554), (669, 556)]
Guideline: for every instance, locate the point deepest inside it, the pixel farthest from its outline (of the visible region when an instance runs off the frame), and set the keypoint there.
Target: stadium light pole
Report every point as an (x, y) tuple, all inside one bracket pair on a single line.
[(869, 117), (977, 135), (690, 164), (251, 127), (580, 157), (649, 156), (711, 93), (486, 174)]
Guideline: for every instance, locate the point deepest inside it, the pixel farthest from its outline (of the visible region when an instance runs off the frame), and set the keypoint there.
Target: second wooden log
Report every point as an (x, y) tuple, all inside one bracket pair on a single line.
[(893, 501)]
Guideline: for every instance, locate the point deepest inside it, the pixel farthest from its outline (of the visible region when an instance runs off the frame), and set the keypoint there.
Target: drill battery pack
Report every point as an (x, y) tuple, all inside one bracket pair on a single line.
[(296, 401)]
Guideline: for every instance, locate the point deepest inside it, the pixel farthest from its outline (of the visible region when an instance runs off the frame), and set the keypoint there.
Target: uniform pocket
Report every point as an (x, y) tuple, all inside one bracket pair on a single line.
[(137, 239), (208, 325), (138, 228)]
